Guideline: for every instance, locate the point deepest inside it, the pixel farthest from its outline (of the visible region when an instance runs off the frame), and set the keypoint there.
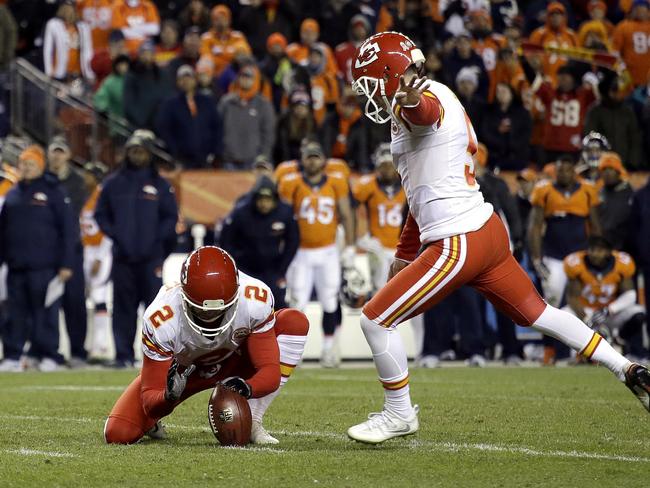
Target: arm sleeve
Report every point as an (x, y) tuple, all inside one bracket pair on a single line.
[(427, 112), (265, 358), (168, 213), (48, 50), (103, 214), (152, 387), (68, 237), (409, 240), (291, 243)]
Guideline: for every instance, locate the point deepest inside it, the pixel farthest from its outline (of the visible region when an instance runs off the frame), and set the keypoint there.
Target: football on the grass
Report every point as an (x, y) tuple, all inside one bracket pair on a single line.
[(229, 416)]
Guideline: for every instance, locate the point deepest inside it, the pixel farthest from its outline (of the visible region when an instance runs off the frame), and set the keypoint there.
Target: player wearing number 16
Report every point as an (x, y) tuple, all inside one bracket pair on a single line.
[(216, 326), (465, 242)]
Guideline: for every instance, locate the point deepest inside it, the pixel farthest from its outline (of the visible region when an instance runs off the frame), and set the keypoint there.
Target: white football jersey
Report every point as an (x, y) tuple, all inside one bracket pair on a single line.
[(437, 170), (166, 332)]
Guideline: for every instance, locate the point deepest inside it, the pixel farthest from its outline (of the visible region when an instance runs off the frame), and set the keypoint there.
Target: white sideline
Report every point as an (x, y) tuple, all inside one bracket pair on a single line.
[(412, 444), (33, 452)]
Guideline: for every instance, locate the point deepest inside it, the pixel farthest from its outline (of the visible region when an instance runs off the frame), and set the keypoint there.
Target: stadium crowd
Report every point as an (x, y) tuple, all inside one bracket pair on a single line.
[(558, 93)]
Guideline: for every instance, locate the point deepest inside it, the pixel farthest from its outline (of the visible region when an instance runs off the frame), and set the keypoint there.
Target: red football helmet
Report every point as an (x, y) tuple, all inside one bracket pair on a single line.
[(378, 65), (210, 289)]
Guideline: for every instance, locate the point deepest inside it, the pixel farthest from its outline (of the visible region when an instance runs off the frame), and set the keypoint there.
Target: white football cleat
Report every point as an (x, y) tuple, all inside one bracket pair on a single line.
[(330, 359), (157, 431), (11, 366), (259, 435), (383, 426), (48, 365)]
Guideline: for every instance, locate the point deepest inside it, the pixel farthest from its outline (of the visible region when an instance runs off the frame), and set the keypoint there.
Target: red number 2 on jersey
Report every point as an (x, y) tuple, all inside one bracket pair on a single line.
[(160, 316), (256, 293)]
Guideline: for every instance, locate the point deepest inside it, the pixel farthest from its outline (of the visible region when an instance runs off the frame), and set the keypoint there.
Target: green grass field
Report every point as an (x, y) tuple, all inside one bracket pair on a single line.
[(491, 427)]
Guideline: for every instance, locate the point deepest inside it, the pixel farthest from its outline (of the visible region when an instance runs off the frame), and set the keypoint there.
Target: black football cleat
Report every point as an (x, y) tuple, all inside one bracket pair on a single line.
[(637, 379)]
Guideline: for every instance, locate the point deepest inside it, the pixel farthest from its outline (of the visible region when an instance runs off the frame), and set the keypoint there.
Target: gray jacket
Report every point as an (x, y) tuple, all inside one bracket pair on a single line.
[(248, 129)]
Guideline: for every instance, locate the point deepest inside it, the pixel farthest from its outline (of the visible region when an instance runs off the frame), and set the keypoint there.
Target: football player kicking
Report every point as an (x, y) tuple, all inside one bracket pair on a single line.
[(465, 243), (216, 325)]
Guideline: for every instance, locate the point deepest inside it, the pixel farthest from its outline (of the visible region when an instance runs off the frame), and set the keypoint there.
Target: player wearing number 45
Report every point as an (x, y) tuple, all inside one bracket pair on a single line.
[(216, 325), (464, 242), (320, 201)]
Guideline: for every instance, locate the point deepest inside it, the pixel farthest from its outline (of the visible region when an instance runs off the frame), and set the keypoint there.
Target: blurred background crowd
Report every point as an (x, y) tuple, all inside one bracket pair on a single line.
[(558, 93)]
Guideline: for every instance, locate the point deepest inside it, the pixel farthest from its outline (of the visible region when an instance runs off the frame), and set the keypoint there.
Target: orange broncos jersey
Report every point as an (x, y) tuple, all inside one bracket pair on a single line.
[(98, 15), (558, 204), (90, 233), (488, 49), (125, 17), (298, 53), (547, 37), (222, 49), (384, 209), (631, 40), (315, 206), (332, 165), (324, 91), (599, 289)]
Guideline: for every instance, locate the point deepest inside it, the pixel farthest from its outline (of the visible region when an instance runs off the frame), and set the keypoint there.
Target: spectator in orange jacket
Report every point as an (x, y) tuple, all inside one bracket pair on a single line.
[(556, 34), (632, 41), (298, 52), (324, 85), (98, 15), (138, 19), (221, 42)]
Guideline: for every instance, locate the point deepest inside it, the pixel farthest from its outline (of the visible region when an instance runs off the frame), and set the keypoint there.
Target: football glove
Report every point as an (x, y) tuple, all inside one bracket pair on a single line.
[(347, 256), (238, 384), (176, 381), (599, 318), (541, 269)]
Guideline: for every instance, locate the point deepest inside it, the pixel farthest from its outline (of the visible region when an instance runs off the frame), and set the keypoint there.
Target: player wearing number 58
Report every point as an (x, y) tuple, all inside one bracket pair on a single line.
[(217, 325), (137, 210)]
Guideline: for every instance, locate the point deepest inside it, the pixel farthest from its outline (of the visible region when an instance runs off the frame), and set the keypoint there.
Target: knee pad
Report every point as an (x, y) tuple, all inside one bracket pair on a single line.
[(120, 431), (290, 321), (330, 322)]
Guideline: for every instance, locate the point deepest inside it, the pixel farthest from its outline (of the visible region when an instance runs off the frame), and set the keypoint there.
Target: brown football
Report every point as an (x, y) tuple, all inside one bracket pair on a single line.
[(229, 416)]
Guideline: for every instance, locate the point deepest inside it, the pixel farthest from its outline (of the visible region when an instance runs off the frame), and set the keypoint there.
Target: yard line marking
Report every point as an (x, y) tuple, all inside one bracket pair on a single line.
[(254, 449), (32, 452), (48, 419), (455, 447), (67, 388)]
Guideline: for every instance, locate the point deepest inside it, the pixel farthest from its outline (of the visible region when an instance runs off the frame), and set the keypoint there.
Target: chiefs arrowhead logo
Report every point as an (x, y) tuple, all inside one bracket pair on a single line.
[(367, 54)]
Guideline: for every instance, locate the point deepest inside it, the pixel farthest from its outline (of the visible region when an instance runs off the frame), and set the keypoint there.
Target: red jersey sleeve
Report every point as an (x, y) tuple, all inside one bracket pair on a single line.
[(153, 386), (409, 241), (427, 112), (265, 358)]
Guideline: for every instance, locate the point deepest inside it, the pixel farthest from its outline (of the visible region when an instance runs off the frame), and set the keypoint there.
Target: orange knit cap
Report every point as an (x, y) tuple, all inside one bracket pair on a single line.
[(481, 154), (310, 25), (555, 7), (221, 11), (613, 161), (34, 153), (276, 39)]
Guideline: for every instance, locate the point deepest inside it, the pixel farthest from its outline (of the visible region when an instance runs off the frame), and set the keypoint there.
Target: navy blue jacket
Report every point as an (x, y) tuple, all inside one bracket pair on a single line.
[(262, 245), (137, 209), (640, 226), (36, 226), (190, 139)]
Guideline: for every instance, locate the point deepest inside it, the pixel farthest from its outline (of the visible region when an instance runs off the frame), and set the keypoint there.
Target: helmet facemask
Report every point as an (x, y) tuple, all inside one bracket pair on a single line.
[(200, 317), (370, 88)]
